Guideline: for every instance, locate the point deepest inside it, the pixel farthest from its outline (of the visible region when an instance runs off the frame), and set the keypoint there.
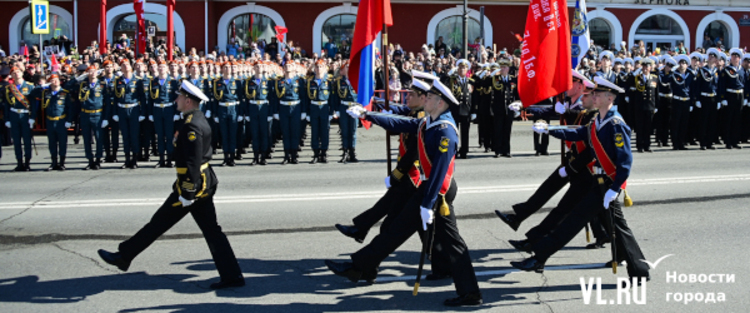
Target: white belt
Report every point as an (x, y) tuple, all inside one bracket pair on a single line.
[(319, 102), (289, 102), (162, 105), (597, 170), (706, 94), (127, 105), (668, 95), (681, 98), (258, 101), (19, 111), (349, 103), (227, 104), (735, 90)]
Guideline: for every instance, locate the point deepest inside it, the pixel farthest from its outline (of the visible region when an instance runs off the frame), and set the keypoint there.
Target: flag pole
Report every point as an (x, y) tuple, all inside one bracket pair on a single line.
[(386, 69)]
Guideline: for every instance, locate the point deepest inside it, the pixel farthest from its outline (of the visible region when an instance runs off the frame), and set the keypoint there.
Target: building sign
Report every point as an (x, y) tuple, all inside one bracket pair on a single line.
[(671, 3), (663, 2), (39, 17), (745, 20)]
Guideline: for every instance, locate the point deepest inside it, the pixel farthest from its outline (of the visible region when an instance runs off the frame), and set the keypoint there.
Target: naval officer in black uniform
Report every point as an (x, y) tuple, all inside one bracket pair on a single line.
[(192, 193)]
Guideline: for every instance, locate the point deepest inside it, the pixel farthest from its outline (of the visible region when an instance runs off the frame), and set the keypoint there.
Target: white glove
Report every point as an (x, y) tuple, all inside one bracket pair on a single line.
[(724, 103), (304, 116), (516, 106), (473, 117), (559, 107), (115, 118), (151, 118), (540, 128), (388, 182), (335, 114), (104, 123), (270, 118), (562, 172), (516, 114), (176, 117), (240, 118), (388, 111), (208, 114), (7, 124), (427, 217), (718, 105), (330, 117), (627, 99), (691, 109), (247, 118), (216, 120), (31, 123), (307, 118), (356, 111), (276, 116), (185, 202), (656, 110), (68, 124), (698, 104), (745, 102), (610, 196), (141, 118)]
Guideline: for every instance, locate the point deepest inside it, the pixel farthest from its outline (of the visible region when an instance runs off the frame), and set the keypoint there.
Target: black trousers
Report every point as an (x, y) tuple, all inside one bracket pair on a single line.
[(709, 113), (549, 188), (591, 205), (733, 118), (694, 125), (661, 120), (448, 241), (204, 214), (679, 123), (503, 127), (486, 129), (388, 206), (111, 138), (579, 185), (745, 124), (643, 129), (464, 124), (541, 142)]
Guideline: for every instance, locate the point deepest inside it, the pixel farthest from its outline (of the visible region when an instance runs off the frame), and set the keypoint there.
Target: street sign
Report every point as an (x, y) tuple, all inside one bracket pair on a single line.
[(152, 31), (39, 17)]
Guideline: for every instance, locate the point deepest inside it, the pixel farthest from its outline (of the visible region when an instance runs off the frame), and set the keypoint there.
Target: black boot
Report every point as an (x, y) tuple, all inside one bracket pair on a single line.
[(160, 163), (294, 156), (53, 166), (61, 167), (107, 156), (90, 166), (127, 161), (352, 156), (343, 156), (27, 166), (230, 161), (98, 163), (323, 158), (286, 158), (114, 156), (169, 161), (315, 156), (238, 155), (226, 160), (255, 159), (262, 159)]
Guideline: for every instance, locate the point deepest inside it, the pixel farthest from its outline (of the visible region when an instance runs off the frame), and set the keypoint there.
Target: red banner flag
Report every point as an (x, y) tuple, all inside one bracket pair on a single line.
[(103, 27), (170, 29), (545, 52), (141, 31), (280, 31)]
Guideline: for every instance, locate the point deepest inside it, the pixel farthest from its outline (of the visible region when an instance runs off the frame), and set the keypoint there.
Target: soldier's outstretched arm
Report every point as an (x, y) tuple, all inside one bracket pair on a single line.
[(398, 124)]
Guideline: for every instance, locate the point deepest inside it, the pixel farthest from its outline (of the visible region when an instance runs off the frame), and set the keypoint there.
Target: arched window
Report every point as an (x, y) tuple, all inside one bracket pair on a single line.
[(239, 29), (600, 32), (337, 35), (128, 24), (718, 34), (659, 25), (451, 29), (59, 28)]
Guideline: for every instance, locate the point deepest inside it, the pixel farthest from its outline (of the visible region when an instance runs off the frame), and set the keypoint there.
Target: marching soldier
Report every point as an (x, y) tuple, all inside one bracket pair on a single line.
[(111, 133), (193, 193), (682, 82), (484, 110), (608, 137), (239, 74), (92, 93), (622, 80), (344, 98), (462, 88), (746, 109), (732, 88), (694, 122), (437, 138), (128, 96), (19, 116), (664, 107), (706, 88), (644, 100), (226, 100), (505, 91), (54, 101), (161, 111), (258, 89), (319, 111)]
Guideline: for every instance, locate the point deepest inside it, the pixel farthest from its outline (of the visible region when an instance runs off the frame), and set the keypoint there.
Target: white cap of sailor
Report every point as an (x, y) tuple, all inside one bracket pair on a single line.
[(463, 61), (655, 58), (441, 90), (736, 51), (715, 52), (637, 60), (670, 61), (607, 54), (427, 77), (586, 82), (191, 91), (682, 58), (696, 55), (420, 86), (724, 57), (746, 57), (627, 60), (618, 61), (605, 85)]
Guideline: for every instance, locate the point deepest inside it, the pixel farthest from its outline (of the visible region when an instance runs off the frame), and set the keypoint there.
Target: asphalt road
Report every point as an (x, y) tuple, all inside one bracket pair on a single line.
[(279, 219)]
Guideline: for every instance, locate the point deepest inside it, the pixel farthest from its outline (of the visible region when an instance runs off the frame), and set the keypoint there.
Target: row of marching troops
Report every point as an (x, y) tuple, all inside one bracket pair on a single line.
[(694, 99), (256, 101)]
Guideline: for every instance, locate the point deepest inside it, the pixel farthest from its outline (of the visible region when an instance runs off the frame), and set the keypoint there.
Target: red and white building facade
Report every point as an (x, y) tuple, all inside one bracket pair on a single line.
[(206, 24)]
